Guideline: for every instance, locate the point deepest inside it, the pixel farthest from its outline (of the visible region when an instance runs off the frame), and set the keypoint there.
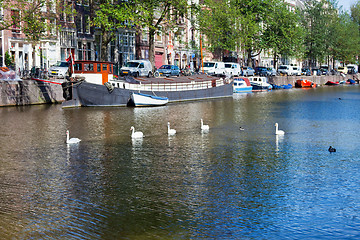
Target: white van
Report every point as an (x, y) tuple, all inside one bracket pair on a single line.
[(137, 68), (295, 70), (232, 69), (289, 70), (214, 68)]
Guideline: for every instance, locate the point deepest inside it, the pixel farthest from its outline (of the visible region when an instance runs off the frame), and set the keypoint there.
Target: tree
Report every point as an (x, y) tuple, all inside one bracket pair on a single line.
[(217, 21), (30, 18), (282, 32), (158, 16), (346, 45), (108, 16)]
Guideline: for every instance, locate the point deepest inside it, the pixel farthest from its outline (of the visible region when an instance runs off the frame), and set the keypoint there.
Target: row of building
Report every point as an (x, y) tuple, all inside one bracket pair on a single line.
[(83, 41)]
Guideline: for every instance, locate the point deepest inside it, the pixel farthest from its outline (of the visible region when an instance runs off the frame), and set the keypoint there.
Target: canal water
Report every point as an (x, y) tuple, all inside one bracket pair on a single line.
[(226, 183)]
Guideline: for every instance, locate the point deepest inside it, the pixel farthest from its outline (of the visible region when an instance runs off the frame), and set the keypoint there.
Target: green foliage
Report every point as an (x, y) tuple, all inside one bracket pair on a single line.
[(8, 59), (281, 32), (29, 19)]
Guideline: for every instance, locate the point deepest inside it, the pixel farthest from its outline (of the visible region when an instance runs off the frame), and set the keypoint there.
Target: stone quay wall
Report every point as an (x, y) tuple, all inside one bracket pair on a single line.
[(29, 92), (319, 80)]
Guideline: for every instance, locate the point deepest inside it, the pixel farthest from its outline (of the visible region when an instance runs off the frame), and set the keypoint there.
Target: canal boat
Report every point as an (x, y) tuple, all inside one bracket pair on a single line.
[(103, 91), (260, 83), (284, 86), (350, 81), (242, 85), (304, 83), (146, 100), (331, 83)]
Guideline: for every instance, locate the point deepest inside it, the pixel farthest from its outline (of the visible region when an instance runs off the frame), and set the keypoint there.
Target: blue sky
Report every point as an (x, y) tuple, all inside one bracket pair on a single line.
[(346, 4)]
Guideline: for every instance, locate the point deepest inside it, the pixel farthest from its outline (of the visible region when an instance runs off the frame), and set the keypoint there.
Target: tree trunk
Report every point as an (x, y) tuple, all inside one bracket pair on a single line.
[(106, 39), (152, 47), (249, 59), (275, 60)]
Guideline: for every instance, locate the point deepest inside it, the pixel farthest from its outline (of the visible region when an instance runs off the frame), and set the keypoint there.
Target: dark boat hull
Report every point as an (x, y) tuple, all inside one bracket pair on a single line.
[(89, 94)]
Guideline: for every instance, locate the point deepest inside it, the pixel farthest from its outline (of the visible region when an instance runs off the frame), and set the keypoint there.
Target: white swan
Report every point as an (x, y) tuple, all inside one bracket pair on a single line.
[(136, 134), (71, 140), (171, 131), (204, 127), (277, 131)]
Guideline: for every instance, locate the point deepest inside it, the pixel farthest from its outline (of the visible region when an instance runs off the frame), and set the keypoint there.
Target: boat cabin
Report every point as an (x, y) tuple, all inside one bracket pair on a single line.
[(94, 71)]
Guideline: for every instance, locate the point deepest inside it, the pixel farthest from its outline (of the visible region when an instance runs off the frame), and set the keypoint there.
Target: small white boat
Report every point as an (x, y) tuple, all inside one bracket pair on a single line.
[(260, 83), (146, 100), (242, 84)]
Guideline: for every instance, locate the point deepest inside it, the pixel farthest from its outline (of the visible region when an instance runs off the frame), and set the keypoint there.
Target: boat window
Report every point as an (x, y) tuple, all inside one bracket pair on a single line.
[(98, 67), (89, 67), (77, 67), (104, 67)]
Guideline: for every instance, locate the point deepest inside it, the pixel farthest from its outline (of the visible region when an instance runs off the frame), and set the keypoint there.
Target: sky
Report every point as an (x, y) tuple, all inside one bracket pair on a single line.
[(346, 4)]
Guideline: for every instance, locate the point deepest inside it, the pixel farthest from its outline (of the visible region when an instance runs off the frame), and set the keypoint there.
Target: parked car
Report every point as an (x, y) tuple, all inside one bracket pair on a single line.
[(295, 70), (232, 69), (316, 71), (60, 70), (343, 70), (285, 70), (137, 68), (324, 71), (352, 69), (261, 71), (248, 71), (270, 71), (169, 70), (305, 72)]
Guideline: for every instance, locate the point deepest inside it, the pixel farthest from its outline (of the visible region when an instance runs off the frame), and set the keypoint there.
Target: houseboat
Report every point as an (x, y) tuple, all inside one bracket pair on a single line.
[(101, 90)]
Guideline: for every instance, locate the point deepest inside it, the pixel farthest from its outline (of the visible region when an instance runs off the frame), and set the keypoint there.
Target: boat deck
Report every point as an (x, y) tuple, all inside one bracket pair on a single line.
[(175, 79)]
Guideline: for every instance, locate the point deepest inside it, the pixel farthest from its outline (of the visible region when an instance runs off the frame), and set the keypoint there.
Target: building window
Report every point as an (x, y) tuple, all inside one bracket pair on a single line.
[(15, 15), (87, 24)]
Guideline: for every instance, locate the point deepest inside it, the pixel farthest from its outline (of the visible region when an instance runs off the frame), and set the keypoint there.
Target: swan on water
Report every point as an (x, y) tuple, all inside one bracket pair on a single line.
[(170, 131), (204, 127), (71, 140), (277, 131), (136, 134)]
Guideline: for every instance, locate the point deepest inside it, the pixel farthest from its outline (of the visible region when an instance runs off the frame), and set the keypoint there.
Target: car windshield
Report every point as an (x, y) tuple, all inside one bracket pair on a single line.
[(165, 67), (132, 64), (208, 64), (61, 64)]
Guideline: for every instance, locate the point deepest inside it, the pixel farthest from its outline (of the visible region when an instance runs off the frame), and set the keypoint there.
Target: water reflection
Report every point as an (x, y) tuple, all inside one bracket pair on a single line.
[(226, 183)]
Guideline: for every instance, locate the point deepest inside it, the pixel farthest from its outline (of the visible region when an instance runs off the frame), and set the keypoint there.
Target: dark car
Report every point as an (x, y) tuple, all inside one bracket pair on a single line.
[(324, 71), (169, 70), (261, 71), (305, 71), (271, 71), (316, 71)]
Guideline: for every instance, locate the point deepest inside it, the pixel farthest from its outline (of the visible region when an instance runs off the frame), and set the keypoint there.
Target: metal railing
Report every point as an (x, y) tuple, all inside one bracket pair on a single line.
[(176, 86)]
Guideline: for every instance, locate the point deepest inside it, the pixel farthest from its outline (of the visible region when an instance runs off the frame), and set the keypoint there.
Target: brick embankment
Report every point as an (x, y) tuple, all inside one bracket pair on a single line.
[(28, 92), (319, 80)]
